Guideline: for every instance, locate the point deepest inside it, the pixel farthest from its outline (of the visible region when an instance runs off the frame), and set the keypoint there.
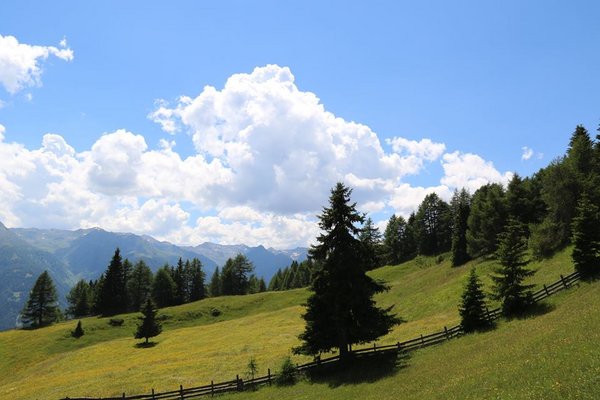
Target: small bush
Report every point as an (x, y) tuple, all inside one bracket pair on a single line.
[(78, 332), (287, 375), (116, 321), (215, 312)]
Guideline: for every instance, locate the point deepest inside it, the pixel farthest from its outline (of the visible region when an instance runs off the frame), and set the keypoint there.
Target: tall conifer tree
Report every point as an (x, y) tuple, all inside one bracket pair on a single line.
[(586, 238), (508, 281), (341, 310), (42, 306)]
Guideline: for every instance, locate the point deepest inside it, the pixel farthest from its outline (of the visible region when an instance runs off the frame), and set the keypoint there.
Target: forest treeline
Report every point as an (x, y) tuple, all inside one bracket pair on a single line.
[(125, 287)]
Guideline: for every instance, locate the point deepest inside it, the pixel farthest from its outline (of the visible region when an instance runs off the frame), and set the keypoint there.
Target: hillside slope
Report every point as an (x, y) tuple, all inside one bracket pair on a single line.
[(196, 347)]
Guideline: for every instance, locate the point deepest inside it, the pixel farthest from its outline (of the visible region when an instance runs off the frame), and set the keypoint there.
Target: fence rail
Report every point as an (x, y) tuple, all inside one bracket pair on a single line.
[(238, 384)]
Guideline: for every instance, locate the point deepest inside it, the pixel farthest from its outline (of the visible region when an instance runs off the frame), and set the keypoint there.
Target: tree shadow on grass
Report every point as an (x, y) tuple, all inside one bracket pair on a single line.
[(145, 345), (356, 370), (535, 310)]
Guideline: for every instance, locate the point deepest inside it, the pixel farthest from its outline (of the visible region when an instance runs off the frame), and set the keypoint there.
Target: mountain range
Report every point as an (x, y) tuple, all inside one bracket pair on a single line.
[(85, 253)]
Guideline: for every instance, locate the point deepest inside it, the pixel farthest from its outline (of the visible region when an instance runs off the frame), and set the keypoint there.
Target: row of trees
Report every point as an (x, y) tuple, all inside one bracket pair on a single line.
[(236, 278), (546, 204), (297, 275), (125, 287)]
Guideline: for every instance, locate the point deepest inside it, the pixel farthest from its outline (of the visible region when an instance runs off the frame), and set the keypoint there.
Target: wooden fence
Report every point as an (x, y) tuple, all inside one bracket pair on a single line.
[(238, 384)]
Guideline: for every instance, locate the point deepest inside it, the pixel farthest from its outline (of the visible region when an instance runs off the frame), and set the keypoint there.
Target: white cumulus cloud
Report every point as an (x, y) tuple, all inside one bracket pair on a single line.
[(267, 155), (20, 63)]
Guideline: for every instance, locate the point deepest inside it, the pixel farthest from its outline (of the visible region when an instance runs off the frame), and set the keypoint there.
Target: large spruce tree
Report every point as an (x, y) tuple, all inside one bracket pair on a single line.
[(42, 306), (586, 238), (235, 275), (508, 281), (112, 294), (163, 288), (341, 310)]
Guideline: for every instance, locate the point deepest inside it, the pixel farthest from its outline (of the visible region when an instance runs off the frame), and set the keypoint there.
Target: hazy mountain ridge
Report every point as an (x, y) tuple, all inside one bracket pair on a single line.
[(85, 253)]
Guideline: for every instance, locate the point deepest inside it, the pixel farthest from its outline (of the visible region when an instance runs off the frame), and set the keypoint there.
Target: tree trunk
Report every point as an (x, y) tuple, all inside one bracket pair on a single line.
[(344, 351)]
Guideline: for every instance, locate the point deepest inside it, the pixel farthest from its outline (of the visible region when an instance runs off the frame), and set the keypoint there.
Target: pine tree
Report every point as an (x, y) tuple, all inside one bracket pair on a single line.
[(195, 275), (80, 300), (262, 286), (150, 327), (433, 222), (472, 309), (215, 284), (78, 332), (163, 288), (112, 295), (461, 207), (235, 275), (180, 283), (42, 306), (341, 310), (371, 239), (486, 220), (508, 282), (139, 285), (586, 238)]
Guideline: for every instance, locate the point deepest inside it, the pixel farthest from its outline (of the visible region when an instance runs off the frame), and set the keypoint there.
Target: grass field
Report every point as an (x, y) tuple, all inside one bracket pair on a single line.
[(196, 347)]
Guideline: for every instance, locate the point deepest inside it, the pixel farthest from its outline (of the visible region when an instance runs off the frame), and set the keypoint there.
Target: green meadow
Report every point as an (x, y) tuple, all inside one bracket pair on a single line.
[(553, 354)]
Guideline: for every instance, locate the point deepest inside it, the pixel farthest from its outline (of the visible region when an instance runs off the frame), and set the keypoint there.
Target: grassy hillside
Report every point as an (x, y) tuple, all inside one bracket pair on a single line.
[(197, 347)]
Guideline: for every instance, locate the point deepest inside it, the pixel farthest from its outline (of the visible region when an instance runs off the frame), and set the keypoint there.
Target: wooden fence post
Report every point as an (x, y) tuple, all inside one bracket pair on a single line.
[(123, 394), (446, 333), (546, 290), (181, 391), (399, 347), (212, 388), (152, 393), (563, 281), (422, 341), (269, 374), (374, 347)]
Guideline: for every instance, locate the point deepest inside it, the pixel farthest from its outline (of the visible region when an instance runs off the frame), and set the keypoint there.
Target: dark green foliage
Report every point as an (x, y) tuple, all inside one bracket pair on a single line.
[(42, 306), (262, 285), (139, 285), (461, 207), (149, 327), (78, 332), (371, 239), (235, 276), (586, 238), (80, 300), (195, 280), (545, 238), (116, 321), (287, 374), (163, 288), (215, 284), (399, 241), (341, 310), (112, 294), (508, 281), (292, 277), (215, 312), (486, 220), (472, 308), (178, 274), (433, 225)]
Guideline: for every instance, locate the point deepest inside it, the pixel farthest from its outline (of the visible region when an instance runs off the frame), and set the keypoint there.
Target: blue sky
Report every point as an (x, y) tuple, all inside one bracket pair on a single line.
[(405, 99)]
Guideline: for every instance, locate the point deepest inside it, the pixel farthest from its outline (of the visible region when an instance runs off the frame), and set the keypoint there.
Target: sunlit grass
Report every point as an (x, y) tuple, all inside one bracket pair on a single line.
[(196, 347)]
